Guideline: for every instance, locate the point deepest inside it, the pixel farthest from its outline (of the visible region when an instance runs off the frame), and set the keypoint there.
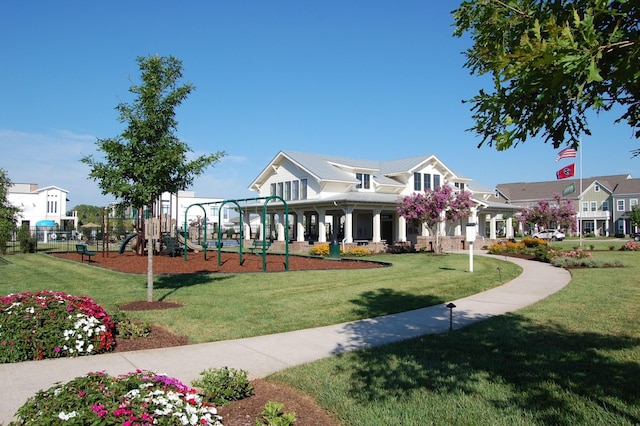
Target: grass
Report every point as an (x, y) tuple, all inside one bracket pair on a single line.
[(573, 358), (230, 306)]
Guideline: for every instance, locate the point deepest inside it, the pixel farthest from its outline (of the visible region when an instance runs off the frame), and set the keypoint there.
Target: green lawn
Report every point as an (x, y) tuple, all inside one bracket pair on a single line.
[(229, 306), (571, 359)]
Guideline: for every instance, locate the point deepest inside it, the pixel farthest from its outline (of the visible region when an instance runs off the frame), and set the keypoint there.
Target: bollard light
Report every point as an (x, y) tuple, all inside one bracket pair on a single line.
[(451, 306)]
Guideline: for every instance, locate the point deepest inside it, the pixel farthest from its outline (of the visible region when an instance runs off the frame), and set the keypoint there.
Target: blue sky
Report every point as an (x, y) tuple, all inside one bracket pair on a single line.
[(364, 79)]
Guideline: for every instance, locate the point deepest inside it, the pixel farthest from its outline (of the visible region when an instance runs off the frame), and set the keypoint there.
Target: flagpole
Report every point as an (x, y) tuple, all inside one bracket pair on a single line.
[(580, 197)]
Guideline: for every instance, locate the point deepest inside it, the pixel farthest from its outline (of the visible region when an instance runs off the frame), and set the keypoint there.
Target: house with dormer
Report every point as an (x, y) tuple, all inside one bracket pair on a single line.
[(354, 201)]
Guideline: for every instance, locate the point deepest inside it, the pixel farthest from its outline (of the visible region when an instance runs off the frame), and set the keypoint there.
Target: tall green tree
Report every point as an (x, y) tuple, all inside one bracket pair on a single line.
[(148, 159), (551, 62), (8, 212)]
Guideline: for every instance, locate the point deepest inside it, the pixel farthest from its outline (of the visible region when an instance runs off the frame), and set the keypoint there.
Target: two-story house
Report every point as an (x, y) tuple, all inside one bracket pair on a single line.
[(354, 201), (602, 202), (42, 206)]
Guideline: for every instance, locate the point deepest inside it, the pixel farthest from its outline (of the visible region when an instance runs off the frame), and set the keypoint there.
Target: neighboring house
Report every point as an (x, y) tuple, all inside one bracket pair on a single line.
[(46, 205), (603, 204), (354, 201), (185, 206)]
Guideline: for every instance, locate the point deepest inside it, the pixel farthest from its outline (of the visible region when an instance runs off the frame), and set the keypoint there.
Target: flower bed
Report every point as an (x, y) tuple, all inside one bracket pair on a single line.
[(137, 398), (49, 324)]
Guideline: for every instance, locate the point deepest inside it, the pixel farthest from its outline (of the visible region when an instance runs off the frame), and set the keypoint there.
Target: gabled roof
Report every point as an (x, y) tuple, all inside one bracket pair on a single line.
[(340, 169), (628, 187), (534, 191)]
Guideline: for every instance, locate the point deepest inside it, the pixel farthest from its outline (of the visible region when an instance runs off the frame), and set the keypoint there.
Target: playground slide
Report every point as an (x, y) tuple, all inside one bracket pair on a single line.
[(126, 241), (190, 245)]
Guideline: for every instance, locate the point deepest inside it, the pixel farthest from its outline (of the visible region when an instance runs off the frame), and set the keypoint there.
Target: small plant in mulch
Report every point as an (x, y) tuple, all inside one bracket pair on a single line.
[(272, 415), (136, 398), (220, 386)]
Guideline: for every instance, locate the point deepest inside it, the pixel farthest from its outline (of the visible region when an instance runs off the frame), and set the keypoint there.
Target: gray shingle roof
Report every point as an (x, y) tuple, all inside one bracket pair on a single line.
[(534, 191)]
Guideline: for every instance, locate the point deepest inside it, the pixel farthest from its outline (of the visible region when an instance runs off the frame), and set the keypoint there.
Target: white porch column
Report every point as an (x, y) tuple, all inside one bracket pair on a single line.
[(402, 229), (509, 227), (322, 231), (376, 226), (457, 230), (246, 225), (299, 226), (492, 224), (595, 227), (348, 225), (281, 231)]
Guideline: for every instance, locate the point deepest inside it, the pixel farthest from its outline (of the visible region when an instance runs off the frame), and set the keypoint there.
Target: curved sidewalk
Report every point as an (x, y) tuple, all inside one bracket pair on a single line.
[(263, 355)]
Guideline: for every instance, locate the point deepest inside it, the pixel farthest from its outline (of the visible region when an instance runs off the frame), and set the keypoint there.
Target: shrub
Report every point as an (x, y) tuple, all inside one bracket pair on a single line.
[(128, 329), (630, 246), (272, 415), (321, 249), (220, 386), (141, 397), (534, 242), (573, 262), (28, 244), (358, 252), (49, 324)]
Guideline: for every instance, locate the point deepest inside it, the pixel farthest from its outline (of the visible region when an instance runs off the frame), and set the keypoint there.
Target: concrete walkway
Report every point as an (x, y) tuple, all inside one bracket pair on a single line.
[(263, 355)]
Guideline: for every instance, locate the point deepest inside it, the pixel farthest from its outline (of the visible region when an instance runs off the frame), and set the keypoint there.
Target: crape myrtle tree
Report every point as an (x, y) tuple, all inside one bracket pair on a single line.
[(8, 212), (551, 61), (147, 158), (562, 213), (435, 206)]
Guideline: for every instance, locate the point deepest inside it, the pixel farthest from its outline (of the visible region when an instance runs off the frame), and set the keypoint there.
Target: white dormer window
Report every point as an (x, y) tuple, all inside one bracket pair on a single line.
[(364, 180)]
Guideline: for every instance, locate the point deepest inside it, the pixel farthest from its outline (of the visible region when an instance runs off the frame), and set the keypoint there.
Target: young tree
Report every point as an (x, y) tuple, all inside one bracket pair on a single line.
[(634, 216), (148, 159), (562, 214), (432, 207), (551, 61), (8, 212)]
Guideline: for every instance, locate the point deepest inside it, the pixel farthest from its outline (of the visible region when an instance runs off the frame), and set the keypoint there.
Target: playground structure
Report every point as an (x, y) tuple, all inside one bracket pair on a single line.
[(219, 242)]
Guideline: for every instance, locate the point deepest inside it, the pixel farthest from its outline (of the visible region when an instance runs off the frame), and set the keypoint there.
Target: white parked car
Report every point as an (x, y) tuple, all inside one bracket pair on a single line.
[(550, 234)]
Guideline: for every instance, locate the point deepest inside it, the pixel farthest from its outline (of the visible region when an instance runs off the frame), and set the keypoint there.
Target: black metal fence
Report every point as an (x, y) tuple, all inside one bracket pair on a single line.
[(39, 239)]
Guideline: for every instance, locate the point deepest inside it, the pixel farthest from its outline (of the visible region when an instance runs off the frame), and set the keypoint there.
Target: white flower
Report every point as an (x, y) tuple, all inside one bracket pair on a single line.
[(66, 416)]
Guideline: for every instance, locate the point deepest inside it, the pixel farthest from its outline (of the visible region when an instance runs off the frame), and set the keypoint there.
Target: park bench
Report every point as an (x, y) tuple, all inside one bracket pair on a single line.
[(257, 245), (83, 250)]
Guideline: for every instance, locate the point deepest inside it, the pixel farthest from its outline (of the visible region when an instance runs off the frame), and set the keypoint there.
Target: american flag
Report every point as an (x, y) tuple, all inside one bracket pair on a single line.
[(566, 153)]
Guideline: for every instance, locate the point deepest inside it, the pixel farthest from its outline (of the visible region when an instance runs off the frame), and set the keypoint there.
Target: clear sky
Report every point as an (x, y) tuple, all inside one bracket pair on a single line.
[(364, 79)]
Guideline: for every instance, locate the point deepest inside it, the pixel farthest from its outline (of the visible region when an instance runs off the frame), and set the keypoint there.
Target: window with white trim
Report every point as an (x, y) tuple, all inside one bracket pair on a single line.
[(364, 180), (585, 206), (280, 189), (594, 206), (287, 190), (605, 206), (417, 181), (273, 189), (303, 189), (436, 181), (296, 190), (620, 205), (427, 181), (633, 202)]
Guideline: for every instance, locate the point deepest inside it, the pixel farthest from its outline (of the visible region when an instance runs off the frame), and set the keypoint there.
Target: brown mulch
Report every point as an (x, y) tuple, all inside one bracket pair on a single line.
[(245, 411), (230, 263)]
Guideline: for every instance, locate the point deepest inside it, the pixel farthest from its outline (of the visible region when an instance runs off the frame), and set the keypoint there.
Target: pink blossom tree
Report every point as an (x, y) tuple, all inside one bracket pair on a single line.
[(561, 214), (432, 207)]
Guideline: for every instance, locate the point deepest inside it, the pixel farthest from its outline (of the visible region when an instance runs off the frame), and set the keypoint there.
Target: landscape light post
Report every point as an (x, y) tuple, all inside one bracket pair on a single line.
[(451, 306), (471, 237)]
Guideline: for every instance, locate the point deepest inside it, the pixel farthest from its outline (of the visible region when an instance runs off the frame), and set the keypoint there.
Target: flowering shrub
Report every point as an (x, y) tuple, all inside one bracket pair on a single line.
[(49, 324), (575, 254), (631, 246), (534, 242), (506, 247), (321, 249), (358, 252), (137, 398)]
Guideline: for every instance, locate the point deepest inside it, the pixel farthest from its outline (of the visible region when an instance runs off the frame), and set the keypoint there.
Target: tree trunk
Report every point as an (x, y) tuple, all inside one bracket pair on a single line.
[(150, 247)]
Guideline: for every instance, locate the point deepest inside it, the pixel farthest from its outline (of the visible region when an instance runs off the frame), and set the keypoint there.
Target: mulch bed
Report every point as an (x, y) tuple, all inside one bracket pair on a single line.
[(130, 262)]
